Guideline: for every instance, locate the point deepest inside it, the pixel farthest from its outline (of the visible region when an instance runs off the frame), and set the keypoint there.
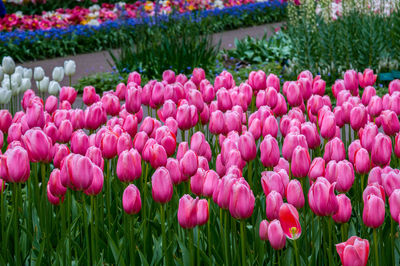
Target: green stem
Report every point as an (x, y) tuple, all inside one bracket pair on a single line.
[(209, 235), (190, 231), (250, 174), (243, 240), (86, 228), (164, 239), (392, 239), (198, 246), (108, 195), (296, 252), (16, 224), (330, 241), (132, 240), (93, 227), (376, 247), (226, 238)]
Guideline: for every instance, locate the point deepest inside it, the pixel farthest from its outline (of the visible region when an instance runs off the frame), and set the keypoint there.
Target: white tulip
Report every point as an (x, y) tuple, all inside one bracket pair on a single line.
[(38, 73), (5, 96), (28, 73), (58, 74), (15, 90), (20, 70), (16, 78), (54, 87), (25, 84), (43, 85), (8, 65), (69, 67), (1, 74)]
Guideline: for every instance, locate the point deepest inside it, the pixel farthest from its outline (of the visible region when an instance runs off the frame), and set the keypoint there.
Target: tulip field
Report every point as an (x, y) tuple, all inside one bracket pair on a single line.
[(192, 171)]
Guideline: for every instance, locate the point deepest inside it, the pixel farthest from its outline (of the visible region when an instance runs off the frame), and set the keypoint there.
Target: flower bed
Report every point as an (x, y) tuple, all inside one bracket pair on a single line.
[(24, 45)]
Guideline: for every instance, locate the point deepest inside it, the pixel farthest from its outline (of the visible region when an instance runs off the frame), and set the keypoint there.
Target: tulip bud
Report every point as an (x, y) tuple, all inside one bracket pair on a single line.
[(300, 162), (161, 183), (294, 194), (276, 236), (273, 203), (97, 182), (129, 166), (38, 73), (317, 168), (354, 251), (263, 231), (381, 150), (374, 211), (289, 218), (242, 201), (269, 151), (69, 68), (131, 200), (14, 165), (8, 65)]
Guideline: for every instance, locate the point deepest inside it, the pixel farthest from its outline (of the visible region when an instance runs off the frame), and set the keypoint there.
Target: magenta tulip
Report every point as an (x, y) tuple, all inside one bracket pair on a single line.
[(354, 251), (374, 211), (294, 194), (263, 230), (276, 236), (131, 201), (129, 166), (273, 203), (344, 211), (300, 162), (14, 165), (381, 150), (321, 198), (161, 183)]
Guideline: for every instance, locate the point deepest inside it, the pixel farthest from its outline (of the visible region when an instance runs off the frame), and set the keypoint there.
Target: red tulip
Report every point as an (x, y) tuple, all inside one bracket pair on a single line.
[(289, 218), (354, 251), (161, 183), (374, 211), (131, 200)]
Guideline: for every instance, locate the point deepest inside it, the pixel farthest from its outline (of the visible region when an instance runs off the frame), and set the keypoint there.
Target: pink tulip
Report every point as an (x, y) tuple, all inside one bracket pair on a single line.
[(273, 81), (247, 147), (375, 175), (294, 194), (65, 131), (374, 211), (198, 75), (257, 80), (344, 211), (391, 182), (197, 182), (97, 182), (344, 176), (224, 101), (195, 98), (354, 251), (89, 95), (124, 143), (361, 161), (202, 212), (51, 104), (135, 78), (367, 78), (53, 199), (381, 150), (95, 116), (14, 165), (394, 86), (269, 151), (390, 122), (322, 199), (276, 236), (131, 200), (334, 150), (292, 140), (358, 117), (77, 172), (95, 155), (38, 145), (35, 115), (394, 203), (309, 130), (338, 87), (111, 104), (351, 81), (5, 120), (374, 189), (367, 136), (300, 162), (368, 93), (305, 85), (49, 129), (79, 142), (108, 144), (294, 95), (263, 230), (68, 94), (161, 183), (158, 156), (319, 87), (55, 186), (242, 201), (274, 181), (273, 203), (187, 211), (270, 127), (317, 168), (210, 182), (129, 166), (189, 163), (77, 119), (289, 218), (375, 106), (280, 107)]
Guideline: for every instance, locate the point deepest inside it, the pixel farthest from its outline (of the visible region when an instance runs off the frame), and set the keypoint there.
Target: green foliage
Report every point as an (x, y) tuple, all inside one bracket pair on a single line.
[(174, 44), (101, 81), (357, 40), (251, 50)]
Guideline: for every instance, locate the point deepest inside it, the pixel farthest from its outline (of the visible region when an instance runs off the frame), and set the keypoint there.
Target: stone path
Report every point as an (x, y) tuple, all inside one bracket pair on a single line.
[(100, 61)]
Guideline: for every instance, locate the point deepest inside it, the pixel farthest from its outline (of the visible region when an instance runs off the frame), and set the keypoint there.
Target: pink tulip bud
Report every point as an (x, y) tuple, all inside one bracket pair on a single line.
[(294, 194), (77, 172), (319, 87), (95, 115), (257, 80), (49, 129), (120, 91), (14, 165), (367, 78), (97, 183), (187, 211), (273, 81), (354, 251), (197, 182), (111, 104), (274, 181), (65, 131), (202, 212), (131, 200), (344, 176), (374, 211), (309, 130), (394, 203), (276, 236), (344, 211), (300, 162), (391, 182), (189, 163), (367, 136), (247, 147), (59, 151), (291, 141), (358, 117), (281, 106), (294, 95), (273, 203), (351, 81), (79, 142), (51, 104), (361, 161), (129, 166), (95, 155), (161, 183), (390, 122), (289, 218), (263, 230), (77, 119), (198, 75), (157, 155), (35, 115), (55, 186), (321, 198), (210, 183), (133, 99), (375, 106), (53, 199), (89, 95), (174, 171), (270, 127), (195, 98), (38, 145), (242, 201), (5, 120), (334, 150), (327, 124), (269, 151), (224, 100), (317, 168), (124, 143), (381, 150), (108, 144)]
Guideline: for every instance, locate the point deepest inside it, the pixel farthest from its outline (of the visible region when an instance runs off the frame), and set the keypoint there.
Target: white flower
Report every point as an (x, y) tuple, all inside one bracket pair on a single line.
[(43, 85), (69, 67), (93, 22), (25, 84), (38, 73), (8, 65), (58, 74), (54, 87), (5, 96), (28, 73), (94, 8), (20, 70), (16, 78)]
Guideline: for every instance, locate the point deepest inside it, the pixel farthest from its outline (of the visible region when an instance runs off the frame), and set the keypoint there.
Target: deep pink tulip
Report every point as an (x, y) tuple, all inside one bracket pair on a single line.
[(95, 116), (354, 251), (381, 150), (14, 165), (51, 104), (289, 218), (294, 95), (257, 80), (305, 85), (139, 141), (77, 172), (35, 115), (129, 167), (198, 75), (374, 189), (174, 171), (394, 86), (195, 98), (68, 94), (281, 106), (124, 143), (55, 186), (353, 148), (317, 168), (168, 76), (158, 156), (368, 93), (197, 182), (111, 104), (344, 176), (391, 182), (241, 203), (270, 127), (309, 130), (300, 162), (338, 87), (202, 212), (274, 181), (161, 183), (374, 211), (210, 183), (375, 175), (108, 144), (224, 101), (390, 122), (255, 128), (79, 142), (375, 106), (263, 230), (269, 151), (247, 147), (351, 81), (186, 116), (334, 150), (120, 91), (294, 194), (134, 77), (367, 78), (344, 211), (130, 125), (187, 211), (38, 145), (319, 87), (53, 199), (89, 95), (314, 104), (217, 122), (273, 81), (59, 151), (97, 182), (65, 131), (131, 200), (273, 203), (49, 129), (394, 203), (189, 163), (321, 198), (292, 140), (5, 120), (358, 117), (367, 136), (361, 161), (133, 99), (276, 236), (77, 118)]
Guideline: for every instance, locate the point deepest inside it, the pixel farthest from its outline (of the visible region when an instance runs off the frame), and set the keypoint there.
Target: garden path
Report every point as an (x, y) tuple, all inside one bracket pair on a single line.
[(98, 62)]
